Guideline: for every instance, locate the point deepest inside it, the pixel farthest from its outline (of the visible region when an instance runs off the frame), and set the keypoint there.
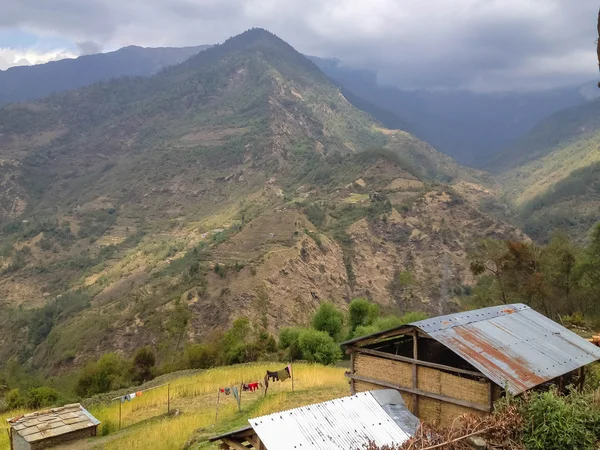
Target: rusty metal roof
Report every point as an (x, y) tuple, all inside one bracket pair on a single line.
[(344, 423), (513, 345), (46, 424)]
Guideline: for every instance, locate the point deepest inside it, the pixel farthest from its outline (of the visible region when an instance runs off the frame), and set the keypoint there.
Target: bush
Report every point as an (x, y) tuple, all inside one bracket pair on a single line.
[(361, 312), (201, 356), (329, 319), (288, 340), (559, 422), (41, 397), (318, 346), (14, 399), (107, 374), (142, 368), (107, 427)]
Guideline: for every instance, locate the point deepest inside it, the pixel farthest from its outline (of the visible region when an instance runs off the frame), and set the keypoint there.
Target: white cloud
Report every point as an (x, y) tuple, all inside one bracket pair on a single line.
[(503, 44), (10, 57)]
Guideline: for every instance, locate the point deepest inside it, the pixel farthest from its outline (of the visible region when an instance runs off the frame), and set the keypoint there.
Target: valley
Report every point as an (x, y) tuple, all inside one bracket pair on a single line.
[(198, 215)]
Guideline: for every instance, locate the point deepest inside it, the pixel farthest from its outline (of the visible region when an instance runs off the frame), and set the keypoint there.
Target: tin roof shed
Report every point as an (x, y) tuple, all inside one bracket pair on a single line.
[(513, 345), (345, 423)]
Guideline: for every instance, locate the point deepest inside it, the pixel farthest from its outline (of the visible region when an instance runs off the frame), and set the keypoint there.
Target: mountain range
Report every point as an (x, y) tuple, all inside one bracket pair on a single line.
[(471, 127), (33, 82), (239, 182)]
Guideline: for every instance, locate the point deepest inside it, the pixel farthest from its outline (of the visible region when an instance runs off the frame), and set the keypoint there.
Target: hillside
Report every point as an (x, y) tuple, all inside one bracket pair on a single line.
[(238, 183), (471, 127), (550, 174), (24, 83)]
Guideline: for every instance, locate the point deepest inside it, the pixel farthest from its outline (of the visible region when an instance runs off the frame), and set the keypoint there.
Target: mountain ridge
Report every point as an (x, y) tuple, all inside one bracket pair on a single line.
[(238, 183)]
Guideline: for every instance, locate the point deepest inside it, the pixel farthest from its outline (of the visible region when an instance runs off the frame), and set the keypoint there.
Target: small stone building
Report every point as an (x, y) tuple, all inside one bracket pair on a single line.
[(49, 428), (450, 365)]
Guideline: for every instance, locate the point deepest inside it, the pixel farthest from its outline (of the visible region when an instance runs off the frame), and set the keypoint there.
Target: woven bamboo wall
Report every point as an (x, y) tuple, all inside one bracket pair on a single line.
[(428, 379)]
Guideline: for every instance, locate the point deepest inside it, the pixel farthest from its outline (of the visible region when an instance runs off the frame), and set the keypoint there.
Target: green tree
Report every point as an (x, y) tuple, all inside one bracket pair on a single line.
[(41, 397), (142, 368), (14, 399), (318, 346), (201, 356), (288, 341), (329, 319), (110, 372), (361, 312)]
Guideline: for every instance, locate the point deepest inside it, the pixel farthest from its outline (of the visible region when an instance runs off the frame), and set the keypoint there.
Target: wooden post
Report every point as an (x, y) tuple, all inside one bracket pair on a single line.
[(9, 431), (352, 358), (491, 394), (581, 378), (292, 373), (120, 405), (168, 398), (218, 397), (240, 394), (415, 383)]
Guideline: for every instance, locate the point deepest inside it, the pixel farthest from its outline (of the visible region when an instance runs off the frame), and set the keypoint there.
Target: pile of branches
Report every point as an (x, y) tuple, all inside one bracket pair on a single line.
[(500, 430)]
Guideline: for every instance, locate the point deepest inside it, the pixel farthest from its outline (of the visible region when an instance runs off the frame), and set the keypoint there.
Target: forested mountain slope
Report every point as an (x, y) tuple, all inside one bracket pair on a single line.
[(238, 183)]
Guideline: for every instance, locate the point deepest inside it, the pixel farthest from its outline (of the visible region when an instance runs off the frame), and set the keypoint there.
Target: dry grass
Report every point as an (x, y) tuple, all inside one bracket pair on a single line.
[(195, 396), (4, 443)]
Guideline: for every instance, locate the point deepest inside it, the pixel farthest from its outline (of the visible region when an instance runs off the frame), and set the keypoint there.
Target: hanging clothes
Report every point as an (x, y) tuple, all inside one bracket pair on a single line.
[(245, 387), (236, 394), (272, 375), (139, 393), (283, 374), (227, 391), (253, 386)]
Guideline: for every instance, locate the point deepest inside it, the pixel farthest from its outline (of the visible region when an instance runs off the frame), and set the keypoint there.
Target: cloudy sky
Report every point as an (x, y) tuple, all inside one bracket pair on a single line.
[(484, 45)]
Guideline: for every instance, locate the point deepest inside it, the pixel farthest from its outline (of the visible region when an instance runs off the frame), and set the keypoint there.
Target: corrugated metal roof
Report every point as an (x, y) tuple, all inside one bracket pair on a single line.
[(513, 345), (345, 423), (41, 425)]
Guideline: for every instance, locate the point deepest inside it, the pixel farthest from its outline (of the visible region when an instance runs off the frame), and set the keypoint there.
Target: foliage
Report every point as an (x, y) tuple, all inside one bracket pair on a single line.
[(329, 319), (288, 340), (387, 322), (202, 356), (110, 372), (14, 399), (41, 397), (318, 346), (560, 279), (244, 343), (143, 364), (361, 312), (560, 422)]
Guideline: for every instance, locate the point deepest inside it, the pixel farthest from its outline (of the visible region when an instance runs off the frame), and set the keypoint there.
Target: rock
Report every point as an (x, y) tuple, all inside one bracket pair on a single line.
[(477, 442)]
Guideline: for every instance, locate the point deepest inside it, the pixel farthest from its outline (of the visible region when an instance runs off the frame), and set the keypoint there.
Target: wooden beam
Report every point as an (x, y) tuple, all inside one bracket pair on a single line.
[(491, 395), (443, 398), (352, 360), (415, 383), (368, 351), (233, 444), (392, 333)]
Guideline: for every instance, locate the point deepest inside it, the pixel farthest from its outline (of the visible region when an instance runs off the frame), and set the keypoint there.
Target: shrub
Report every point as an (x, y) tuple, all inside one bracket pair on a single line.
[(329, 319), (559, 422), (41, 397), (361, 312), (107, 427), (288, 340), (14, 399), (201, 356), (108, 373), (318, 346), (142, 368)]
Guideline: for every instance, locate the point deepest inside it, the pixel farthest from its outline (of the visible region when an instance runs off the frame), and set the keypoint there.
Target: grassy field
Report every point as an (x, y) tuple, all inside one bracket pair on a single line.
[(145, 423)]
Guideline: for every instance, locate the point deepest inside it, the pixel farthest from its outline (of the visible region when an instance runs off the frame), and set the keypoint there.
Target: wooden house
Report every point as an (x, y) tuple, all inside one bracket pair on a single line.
[(450, 365)]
